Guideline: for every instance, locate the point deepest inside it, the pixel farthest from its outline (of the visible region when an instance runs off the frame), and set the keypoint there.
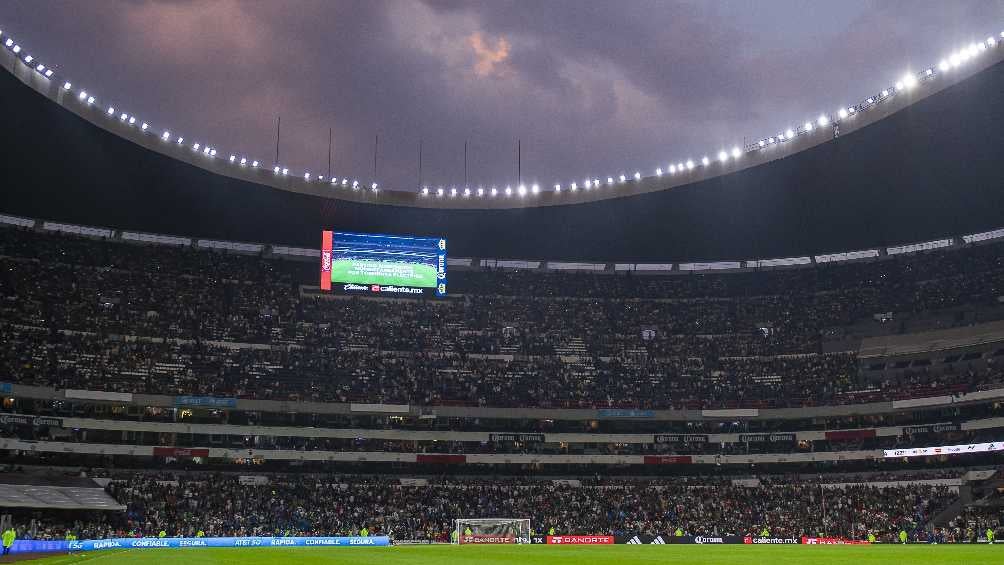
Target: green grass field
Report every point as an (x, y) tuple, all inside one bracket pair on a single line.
[(551, 555), (383, 273)]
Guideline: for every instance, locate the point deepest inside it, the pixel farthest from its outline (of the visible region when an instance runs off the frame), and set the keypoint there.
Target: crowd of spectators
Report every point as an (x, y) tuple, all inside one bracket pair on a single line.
[(221, 505), (101, 315)]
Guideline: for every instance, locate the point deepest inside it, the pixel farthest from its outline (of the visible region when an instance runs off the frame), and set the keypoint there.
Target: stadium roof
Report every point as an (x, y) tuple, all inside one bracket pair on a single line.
[(919, 162)]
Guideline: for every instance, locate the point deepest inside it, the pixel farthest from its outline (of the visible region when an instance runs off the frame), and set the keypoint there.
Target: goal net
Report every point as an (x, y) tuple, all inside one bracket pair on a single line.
[(492, 530)]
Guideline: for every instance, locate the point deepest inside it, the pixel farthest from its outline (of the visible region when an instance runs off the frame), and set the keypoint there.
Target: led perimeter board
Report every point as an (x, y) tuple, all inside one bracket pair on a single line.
[(385, 264)]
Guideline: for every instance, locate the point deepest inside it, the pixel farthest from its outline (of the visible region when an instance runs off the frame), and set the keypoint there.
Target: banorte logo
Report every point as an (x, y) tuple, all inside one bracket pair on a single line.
[(580, 540)]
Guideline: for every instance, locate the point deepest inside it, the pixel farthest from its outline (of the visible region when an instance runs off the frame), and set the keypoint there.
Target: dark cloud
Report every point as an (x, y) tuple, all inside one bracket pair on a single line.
[(591, 87)]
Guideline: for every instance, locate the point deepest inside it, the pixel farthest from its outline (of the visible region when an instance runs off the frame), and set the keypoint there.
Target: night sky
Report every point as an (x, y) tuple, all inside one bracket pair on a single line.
[(591, 88)]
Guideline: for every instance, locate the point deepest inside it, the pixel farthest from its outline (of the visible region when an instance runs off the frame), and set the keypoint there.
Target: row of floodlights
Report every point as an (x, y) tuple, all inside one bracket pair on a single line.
[(908, 81)]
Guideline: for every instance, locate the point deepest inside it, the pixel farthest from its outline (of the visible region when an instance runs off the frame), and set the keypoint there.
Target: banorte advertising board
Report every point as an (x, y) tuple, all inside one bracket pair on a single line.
[(580, 540)]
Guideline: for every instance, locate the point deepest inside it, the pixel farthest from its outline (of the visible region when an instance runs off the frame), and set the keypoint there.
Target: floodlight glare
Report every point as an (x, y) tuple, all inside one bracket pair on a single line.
[(588, 183), (285, 171), (481, 191), (690, 165), (306, 176), (439, 191), (807, 126), (623, 178), (822, 121), (871, 100), (205, 150), (180, 140), (453, 192), (276, 169), (90, 100), (770, 140), (144, 126), (374, 187), (124, 116), (255, 164), (494, 191), (535, 188), (522, 190), (788, 134), (761, 143), (67, 85), (705, 161), (508, 191), (82, 95), (132, 120), (736, 153), (425, 191), (851, 110), (943, 65), (111, 110), (885, 93), (899, 85), (672, 169), (658, 172), (467, 192), (232, 158), (166, 136), (637, 175), (610, 180), (244, 161), (909, 81), (557, 188), (723, 156), (842, 113), (574, 187), (679, 167), (929, 72)]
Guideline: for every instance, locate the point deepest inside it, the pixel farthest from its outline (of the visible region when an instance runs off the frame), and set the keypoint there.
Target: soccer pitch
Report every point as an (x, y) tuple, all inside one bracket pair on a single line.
[(550, 555)]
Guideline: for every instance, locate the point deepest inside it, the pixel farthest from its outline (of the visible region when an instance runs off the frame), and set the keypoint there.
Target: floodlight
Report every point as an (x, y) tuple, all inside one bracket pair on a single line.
[(481, 192), (48, 73), (658, 172), (285, 171), (705, 161), (736, 153), (276, 169), (166, 136), (723, 156), (132, 120), (574, 187), (111, 110), (761, 143), (807, 126), (467, 192), (90, 100), (124, 116), (637, 175), (180, 140), (306, 176), (557, 188), (67, 85), (244, 161), (144, 126), (522, 190), (535, 188), (425, 191), (672, 169), (453, 192), (610, 180), (788, 133), (40, 68), (9, 42), (588, 183), (822, 120), (623, 178), (255, 164), (17, 48), (690, 165), (205, 150), (82, 95), (842, 113), (508, 191), (910, 80), (494, 191), (28, 58), (885, 93), (943, 65)]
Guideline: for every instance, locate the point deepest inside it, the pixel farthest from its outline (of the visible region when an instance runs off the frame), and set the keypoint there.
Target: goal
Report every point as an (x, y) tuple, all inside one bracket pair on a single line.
[(492, 530)]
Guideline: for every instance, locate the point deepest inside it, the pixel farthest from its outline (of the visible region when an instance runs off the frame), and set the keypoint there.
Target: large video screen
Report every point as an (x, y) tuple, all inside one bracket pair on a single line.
[(386, 264)]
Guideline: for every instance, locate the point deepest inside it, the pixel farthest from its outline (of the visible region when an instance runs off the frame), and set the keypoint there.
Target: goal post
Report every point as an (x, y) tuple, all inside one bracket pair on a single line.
[(492, 530)]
